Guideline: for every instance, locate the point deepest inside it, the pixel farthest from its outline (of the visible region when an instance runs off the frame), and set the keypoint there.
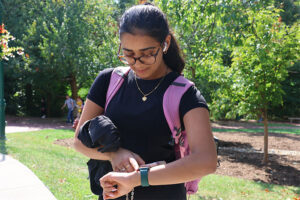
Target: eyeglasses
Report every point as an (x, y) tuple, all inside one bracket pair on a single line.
[(145, 59)]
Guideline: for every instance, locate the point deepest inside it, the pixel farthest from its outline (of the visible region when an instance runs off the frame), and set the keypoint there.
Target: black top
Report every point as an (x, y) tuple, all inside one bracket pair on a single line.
[(142, 124)]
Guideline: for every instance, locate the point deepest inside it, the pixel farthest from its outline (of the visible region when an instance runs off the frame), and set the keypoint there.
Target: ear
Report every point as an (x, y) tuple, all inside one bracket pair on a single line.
[(167, 43)]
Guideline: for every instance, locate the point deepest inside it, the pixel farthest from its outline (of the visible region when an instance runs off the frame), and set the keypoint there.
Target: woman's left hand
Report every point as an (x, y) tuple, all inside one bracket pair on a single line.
[(116, 184)]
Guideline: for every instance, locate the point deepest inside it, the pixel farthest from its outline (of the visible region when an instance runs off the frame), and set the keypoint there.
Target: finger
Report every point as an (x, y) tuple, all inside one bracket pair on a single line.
[(148, 165), (106, 184), (108, 195), (129, 167), (161, 162), (136, 161), (122, 169), (111, 195), (115, 168), (154, 164), (107, 178), (139, 159), (109, 189)]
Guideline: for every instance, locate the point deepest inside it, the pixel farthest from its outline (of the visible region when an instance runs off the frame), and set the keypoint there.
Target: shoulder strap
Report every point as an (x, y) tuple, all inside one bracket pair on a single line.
[(116, 80), (171, 101)]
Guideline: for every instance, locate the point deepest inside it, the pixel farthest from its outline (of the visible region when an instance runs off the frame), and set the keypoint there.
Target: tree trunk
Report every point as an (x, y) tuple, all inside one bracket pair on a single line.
[(193, 72), (28, 102), (48, 105), (74, 88), (265, 160)]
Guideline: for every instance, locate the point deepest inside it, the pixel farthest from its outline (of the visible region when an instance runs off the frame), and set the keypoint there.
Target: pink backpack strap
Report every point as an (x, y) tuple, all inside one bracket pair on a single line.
[(171, 101), (116, 80)]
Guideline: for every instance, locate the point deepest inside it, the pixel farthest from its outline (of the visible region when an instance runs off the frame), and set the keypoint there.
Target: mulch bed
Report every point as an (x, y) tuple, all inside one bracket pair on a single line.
[(281, 169)]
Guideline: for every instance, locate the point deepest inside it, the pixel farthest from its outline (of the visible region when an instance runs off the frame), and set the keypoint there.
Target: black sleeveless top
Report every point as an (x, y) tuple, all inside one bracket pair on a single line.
[(142, 124)]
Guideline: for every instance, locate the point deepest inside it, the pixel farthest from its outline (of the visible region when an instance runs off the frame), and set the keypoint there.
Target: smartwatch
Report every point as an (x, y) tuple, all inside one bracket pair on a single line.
[(144, 176)]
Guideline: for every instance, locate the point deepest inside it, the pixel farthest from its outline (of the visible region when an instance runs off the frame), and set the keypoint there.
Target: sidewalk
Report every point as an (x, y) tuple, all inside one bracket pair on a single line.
[(17, 182)]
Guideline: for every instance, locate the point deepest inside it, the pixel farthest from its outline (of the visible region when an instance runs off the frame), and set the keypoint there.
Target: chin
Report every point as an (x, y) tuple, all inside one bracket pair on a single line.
[(143, 74)]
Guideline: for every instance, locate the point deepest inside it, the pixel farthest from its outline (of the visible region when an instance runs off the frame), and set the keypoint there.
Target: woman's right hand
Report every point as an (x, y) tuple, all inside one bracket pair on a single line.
[(124, 160)]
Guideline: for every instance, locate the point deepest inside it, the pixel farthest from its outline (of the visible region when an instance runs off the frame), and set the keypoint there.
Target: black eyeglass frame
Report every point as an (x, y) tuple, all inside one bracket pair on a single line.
[(138, 58)]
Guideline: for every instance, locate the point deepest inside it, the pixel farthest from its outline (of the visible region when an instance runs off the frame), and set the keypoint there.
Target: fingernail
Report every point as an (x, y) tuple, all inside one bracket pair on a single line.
[(111, 195)]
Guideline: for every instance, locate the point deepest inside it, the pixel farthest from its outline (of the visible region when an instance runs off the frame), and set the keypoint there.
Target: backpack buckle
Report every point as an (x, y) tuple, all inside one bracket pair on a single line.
[(178, 131), (181, 141)]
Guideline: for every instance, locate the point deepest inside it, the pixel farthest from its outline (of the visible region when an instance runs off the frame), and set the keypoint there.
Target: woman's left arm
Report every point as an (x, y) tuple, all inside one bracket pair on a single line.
[(203, 157), (202, 160)]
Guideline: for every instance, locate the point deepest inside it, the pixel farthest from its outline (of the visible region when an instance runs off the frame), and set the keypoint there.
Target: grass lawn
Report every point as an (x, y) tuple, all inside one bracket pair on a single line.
[(215, 187), (64, 171), (259, 130)]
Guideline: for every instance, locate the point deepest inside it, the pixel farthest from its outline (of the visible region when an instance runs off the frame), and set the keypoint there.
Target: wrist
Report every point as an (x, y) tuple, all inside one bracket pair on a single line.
[(110, 156), (136, 178)]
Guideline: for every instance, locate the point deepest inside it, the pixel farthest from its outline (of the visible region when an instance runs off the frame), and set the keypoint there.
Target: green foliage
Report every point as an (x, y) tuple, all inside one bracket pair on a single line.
[(195, 27), (290, 10), (253, 82), (66, 43), (291, 100)]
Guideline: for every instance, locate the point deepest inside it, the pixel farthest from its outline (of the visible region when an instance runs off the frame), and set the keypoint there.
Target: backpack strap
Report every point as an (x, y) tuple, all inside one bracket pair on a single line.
[(116, 80), (171, 101)]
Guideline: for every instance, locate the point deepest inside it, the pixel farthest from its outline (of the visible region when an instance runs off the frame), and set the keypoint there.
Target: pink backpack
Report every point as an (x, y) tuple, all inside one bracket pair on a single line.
[(171, 101)]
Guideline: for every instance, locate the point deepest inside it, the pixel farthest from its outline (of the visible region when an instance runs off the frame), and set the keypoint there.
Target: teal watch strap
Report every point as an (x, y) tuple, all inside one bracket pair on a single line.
[(144, 176)]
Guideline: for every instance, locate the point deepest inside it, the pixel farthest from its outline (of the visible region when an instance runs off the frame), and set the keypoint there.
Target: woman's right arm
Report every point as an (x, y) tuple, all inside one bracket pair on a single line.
[(121, 159), (90, 111)]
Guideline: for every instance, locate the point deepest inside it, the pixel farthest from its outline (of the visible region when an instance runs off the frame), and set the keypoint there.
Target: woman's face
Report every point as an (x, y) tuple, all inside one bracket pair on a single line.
[(143, 45)]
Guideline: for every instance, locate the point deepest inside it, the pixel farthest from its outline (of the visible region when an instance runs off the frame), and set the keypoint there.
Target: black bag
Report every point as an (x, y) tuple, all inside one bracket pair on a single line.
[(99, 132)]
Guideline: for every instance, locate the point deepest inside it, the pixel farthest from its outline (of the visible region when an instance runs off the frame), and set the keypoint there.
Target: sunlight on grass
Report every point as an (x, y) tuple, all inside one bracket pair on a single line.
[(223, 187)]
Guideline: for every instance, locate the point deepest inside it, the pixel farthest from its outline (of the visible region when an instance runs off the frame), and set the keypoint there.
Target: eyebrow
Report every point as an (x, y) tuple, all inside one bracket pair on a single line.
[(145, 49)]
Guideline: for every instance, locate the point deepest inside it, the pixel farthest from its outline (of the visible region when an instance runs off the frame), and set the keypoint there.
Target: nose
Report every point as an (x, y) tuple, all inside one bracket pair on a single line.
[(137, 62)]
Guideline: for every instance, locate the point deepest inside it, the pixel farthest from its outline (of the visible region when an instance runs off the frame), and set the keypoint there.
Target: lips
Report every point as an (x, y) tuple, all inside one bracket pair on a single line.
[(140, 71)]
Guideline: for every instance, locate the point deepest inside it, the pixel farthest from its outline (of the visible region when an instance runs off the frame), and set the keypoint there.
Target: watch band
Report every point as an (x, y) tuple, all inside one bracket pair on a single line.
[(144, 176)]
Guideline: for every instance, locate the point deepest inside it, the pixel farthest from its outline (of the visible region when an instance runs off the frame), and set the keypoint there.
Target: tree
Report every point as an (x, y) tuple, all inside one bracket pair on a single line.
[(66, 44), (253, 82)]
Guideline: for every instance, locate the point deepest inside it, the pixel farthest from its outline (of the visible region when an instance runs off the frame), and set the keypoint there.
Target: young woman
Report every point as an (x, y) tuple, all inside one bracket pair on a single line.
[(150, 49)]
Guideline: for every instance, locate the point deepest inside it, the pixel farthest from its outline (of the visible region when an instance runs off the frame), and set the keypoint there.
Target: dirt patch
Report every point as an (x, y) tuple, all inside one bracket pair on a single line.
[(65, 142), (282, 169)]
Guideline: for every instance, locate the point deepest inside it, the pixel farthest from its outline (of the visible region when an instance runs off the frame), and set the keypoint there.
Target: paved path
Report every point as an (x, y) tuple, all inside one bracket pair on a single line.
[(20, 124), (17, 182)]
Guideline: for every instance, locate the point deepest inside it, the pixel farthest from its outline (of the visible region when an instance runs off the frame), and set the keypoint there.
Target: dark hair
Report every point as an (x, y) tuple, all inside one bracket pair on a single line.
[(150, 20)]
